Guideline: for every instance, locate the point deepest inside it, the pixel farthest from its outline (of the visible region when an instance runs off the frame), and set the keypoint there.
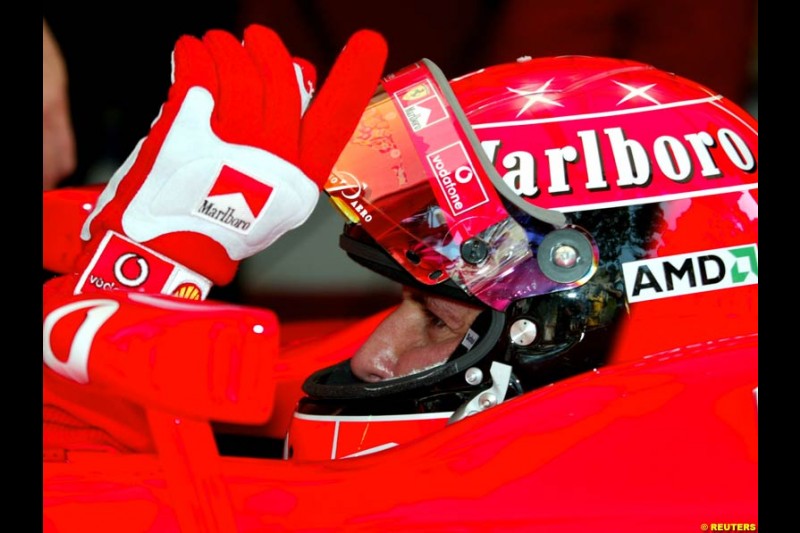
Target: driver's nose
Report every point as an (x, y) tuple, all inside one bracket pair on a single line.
[(378, 357)]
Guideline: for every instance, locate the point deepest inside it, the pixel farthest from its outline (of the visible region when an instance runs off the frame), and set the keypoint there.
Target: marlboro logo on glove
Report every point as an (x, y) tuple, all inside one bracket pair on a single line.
[(235, 200)]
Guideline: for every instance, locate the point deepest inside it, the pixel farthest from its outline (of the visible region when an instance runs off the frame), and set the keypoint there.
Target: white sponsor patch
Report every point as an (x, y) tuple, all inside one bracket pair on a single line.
[(675, 275)]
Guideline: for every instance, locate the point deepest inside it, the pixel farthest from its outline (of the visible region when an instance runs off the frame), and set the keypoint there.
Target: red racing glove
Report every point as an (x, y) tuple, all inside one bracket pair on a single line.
[(230, 164)]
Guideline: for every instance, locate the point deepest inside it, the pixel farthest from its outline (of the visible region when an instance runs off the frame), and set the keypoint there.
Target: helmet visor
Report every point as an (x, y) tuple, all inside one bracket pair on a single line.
[(415, 177)]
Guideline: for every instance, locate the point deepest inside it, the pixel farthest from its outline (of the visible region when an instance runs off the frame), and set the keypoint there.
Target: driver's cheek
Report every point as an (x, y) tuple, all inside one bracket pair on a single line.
[(423, 357)]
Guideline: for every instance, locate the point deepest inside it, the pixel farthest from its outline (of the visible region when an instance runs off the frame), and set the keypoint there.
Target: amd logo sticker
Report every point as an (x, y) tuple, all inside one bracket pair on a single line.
[(676, 275)]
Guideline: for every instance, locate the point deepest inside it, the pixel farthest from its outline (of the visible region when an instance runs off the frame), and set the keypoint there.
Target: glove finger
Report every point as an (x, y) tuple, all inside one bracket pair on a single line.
[(192, 66), (281, 105), (334, 114), (238, 116), (307, 79)]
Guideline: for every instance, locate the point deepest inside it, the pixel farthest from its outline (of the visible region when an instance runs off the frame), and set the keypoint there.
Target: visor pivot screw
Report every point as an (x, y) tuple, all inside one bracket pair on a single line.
[(487, 400), (523, 332), (473, 376), (474, 251), (565, 256)]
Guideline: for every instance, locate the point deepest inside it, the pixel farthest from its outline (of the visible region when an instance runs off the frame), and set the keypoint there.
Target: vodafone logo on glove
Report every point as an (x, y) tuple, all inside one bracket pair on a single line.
[(122, 264), (235, 200)]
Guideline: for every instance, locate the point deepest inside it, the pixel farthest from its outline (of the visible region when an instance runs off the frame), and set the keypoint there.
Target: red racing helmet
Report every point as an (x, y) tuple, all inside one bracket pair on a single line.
[(600, 210)]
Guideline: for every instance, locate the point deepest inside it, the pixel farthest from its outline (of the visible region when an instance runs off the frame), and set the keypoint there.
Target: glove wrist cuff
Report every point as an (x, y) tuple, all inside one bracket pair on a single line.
[(119, 263)]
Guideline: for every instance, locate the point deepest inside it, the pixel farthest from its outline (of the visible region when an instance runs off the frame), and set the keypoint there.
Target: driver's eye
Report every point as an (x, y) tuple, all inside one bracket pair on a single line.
[(433, 320)]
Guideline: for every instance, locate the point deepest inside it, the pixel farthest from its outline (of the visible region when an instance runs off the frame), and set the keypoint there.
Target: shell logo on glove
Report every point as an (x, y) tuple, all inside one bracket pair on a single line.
[(189, 291)]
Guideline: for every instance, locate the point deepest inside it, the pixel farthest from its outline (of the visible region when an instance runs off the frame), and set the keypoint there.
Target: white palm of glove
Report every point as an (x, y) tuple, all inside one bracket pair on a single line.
[(240, 196)]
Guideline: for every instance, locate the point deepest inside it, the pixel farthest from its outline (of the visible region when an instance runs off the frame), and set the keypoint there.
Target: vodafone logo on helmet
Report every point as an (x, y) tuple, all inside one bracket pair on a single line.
[(454, 174), (463, 174)]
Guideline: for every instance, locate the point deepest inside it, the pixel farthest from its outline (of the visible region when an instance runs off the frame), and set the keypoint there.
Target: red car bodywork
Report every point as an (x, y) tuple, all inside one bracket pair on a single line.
[(665, 444)]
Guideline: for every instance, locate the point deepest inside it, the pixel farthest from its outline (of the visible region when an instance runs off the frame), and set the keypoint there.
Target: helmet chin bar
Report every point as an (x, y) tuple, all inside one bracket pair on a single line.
[(338, 382), (485, 399)]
